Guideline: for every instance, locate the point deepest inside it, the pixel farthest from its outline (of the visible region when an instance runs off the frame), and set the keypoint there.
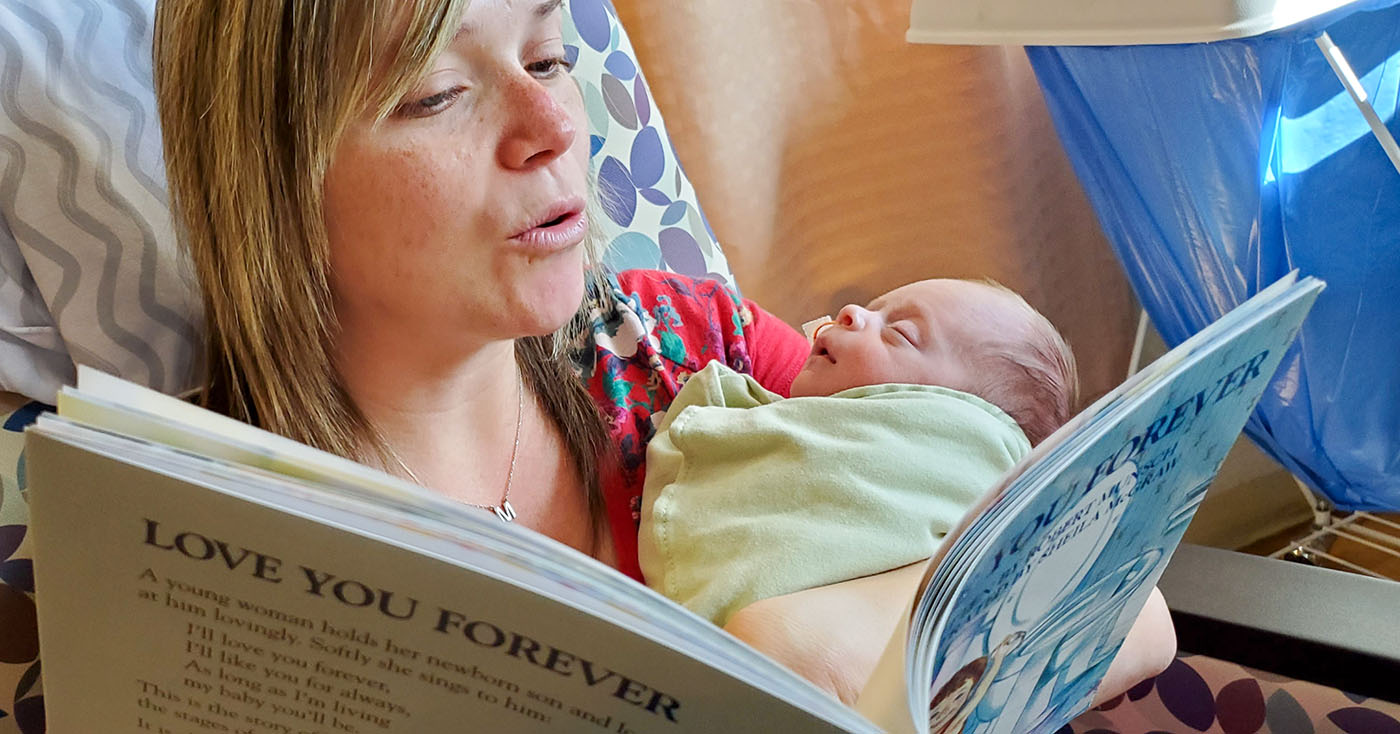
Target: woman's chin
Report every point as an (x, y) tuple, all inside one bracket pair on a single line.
[(553, 297)]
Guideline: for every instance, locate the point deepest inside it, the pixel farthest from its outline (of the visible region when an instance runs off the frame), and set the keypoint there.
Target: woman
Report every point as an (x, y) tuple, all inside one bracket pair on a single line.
[(406, 293), (386, 207)]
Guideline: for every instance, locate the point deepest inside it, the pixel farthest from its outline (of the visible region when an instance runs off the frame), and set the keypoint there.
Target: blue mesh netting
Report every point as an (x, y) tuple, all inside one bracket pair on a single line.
[(1216, 169)]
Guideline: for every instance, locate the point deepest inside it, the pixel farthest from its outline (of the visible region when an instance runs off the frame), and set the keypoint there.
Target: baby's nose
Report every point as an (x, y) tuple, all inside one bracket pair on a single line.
[(852, 316)]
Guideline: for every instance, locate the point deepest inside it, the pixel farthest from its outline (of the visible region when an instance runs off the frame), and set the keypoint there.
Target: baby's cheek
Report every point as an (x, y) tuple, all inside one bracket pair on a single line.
[(804, 385), (861, 371)]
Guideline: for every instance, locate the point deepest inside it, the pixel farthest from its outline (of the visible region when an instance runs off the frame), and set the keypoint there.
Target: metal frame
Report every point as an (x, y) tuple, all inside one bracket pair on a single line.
[(1378, 533), (1283, 618)]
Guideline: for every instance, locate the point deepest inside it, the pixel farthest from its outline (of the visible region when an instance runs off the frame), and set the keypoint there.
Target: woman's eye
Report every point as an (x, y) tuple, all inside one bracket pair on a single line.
[(550, 67), (430, 105)]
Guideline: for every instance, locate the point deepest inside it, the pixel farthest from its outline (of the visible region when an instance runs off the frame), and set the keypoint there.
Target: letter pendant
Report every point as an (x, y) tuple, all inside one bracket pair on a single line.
[(505, 512)]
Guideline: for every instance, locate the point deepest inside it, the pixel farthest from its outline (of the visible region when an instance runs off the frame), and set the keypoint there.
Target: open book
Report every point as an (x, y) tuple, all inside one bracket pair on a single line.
[(198, 575)]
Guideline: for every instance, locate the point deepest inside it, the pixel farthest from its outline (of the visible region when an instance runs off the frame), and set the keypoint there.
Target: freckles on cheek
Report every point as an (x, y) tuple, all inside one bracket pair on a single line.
[(410, 192)]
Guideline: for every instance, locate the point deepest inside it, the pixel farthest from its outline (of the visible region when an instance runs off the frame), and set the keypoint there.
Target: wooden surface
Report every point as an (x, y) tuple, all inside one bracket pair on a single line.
[(9, 402), (1378, 555)]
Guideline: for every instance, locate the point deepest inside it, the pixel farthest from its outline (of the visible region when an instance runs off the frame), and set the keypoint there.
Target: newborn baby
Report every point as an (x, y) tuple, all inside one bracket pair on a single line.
[(906, 412)]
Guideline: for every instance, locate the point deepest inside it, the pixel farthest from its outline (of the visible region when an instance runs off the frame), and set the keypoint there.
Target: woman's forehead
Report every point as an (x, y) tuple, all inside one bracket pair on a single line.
[(478, 12), (410, 25)]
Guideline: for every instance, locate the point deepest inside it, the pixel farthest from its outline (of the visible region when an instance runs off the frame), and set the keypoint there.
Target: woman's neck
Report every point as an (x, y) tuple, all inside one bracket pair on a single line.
[(443, 418), (453, 425)]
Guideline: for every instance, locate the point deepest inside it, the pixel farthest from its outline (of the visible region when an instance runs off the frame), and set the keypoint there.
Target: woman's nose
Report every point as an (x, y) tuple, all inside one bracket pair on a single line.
[(539, 128), (854, 317)]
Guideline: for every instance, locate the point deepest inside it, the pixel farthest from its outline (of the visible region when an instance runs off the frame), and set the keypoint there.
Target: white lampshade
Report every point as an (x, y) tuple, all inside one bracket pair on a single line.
[(1104, 22)]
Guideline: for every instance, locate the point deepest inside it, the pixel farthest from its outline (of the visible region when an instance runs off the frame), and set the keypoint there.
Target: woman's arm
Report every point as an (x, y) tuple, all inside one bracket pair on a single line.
[(1147, 650), (833, 635)]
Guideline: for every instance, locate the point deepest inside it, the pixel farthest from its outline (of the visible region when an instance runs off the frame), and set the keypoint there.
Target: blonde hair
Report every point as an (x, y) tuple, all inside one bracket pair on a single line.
[(254, 96), (1029, 373)]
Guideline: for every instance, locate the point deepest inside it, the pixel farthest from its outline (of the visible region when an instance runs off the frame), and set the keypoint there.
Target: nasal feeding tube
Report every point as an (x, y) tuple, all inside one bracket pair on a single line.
[(815, 326)]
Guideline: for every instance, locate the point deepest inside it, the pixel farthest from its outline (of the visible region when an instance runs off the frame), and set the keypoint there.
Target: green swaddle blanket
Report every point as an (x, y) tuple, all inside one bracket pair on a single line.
[(749, 495)]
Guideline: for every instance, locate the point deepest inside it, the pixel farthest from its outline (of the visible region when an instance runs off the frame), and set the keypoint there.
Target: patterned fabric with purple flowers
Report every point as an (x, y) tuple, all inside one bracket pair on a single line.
[(21, 695), (1202, 695), (652, 219)]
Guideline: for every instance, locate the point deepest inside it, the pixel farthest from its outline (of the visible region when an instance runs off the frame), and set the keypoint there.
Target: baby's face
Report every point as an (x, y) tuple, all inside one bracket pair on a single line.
[(924, 333)]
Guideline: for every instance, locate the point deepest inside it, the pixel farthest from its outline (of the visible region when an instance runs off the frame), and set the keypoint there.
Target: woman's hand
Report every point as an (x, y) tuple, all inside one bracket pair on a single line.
[(831, 635)]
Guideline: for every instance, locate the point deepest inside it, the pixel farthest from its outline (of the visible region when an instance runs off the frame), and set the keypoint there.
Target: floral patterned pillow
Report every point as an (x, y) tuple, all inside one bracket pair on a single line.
[(653, 220), (1203, 695), (21, 695)]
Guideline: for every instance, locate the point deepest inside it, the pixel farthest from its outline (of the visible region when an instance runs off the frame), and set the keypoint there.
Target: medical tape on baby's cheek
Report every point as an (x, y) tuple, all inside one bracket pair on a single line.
[(814, 327)]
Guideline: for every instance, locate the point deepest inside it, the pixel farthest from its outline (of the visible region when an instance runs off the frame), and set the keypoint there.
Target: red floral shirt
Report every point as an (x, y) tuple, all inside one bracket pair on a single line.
[(664, 328)]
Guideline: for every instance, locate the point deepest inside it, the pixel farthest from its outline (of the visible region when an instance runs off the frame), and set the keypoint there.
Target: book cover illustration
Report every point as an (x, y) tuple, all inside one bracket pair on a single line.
[(1034, 607)]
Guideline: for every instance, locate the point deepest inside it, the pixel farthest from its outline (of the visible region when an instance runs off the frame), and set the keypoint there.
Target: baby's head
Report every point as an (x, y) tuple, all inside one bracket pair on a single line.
[(979, 338)]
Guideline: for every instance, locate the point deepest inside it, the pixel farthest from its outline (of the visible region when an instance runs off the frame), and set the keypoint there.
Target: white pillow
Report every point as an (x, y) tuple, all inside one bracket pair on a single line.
[(89, 269), (33, 360)]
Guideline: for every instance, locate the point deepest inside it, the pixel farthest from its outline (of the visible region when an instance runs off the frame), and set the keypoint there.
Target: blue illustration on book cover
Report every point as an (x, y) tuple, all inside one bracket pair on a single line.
[(1052, 578)]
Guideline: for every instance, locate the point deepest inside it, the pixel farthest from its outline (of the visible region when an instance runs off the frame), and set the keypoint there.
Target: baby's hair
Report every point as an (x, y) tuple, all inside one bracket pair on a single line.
[(1031, 375)]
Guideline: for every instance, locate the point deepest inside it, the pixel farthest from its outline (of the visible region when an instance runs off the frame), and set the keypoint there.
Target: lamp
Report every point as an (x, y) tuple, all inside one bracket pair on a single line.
[(1139, 22), (1104, 22)]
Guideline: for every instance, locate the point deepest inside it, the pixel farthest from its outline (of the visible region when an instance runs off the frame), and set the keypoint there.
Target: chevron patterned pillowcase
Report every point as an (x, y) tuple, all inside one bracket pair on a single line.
[(89, 268), (87, 251)]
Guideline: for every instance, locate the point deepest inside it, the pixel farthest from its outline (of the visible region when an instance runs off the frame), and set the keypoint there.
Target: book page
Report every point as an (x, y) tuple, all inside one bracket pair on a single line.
[(247, 454), (171, 608), (110, 402)]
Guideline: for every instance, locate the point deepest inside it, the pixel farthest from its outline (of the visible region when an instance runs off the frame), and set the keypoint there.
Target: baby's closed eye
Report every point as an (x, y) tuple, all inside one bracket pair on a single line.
[(901, 334)]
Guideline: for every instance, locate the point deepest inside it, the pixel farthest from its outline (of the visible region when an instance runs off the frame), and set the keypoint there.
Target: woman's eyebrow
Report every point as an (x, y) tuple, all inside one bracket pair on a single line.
[(548, 6)]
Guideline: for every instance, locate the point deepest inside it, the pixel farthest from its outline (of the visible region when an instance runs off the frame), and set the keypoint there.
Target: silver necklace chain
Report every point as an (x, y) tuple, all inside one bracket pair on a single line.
[(503, 509)]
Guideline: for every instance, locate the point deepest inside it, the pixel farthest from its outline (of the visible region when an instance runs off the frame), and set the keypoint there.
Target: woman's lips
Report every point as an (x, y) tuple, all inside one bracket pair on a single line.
[(563, 227)]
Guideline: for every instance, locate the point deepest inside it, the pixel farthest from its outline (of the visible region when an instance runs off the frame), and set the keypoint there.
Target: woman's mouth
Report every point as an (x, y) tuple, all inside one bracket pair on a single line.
[(560, 227)]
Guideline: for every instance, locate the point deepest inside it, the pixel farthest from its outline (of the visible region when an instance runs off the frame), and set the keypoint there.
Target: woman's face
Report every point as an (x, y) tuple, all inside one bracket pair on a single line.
[(461, 215)]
